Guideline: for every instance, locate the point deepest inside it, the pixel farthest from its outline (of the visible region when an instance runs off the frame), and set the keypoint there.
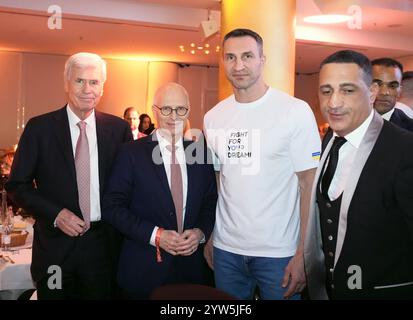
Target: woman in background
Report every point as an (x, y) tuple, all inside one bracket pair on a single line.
[(145, 124)]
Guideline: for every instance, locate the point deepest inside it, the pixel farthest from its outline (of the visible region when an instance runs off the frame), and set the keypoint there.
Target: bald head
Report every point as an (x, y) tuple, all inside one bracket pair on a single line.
[(171, 108), (170, 91)]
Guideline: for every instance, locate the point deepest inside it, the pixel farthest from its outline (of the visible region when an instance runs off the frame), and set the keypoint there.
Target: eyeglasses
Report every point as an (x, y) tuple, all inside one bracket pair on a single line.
[(167, 110), (392, 85)]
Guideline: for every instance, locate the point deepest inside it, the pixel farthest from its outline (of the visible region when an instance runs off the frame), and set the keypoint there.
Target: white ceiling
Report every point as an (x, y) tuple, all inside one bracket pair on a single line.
[(154, 29), (203, 4)]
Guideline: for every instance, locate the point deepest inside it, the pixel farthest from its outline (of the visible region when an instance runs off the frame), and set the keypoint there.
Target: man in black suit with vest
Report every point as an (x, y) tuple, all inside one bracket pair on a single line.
[(58, 175), (387, 74), (359, 239)]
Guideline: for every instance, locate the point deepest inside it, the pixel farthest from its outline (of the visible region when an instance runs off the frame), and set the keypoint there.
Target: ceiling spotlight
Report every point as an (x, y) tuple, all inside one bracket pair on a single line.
[(194, 48)]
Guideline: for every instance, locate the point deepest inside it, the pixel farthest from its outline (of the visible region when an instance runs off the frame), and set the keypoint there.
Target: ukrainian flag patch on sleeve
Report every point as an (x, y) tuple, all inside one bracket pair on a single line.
[(316, 155)]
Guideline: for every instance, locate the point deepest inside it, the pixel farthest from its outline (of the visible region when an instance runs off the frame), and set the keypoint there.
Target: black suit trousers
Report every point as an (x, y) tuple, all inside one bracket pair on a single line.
[(85, 273)]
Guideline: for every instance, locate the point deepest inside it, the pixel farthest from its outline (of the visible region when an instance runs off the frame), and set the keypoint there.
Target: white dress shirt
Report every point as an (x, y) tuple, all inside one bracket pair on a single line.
[(95, 213), (166, 158), (387, 115), (346, 156), (135, 134)]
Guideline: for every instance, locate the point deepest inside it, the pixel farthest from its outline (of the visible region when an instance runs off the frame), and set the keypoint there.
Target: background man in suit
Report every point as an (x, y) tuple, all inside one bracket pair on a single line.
[(359, 240), (165, 208), (406, 97), (131, 115), (387, 73), (59, 174)]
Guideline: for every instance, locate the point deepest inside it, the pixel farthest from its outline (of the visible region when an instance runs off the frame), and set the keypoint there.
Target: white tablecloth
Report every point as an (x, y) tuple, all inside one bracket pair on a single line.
[(16, 276)]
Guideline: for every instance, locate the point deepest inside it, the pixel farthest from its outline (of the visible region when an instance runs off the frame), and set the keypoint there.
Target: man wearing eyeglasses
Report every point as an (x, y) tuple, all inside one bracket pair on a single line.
[(387, 74), (162, 196)]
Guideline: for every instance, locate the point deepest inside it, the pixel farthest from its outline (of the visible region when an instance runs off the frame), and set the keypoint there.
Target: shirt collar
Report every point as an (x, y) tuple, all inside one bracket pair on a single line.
[(387, 115), (163, 143), (355, 136), (256, 103), (74, 119)]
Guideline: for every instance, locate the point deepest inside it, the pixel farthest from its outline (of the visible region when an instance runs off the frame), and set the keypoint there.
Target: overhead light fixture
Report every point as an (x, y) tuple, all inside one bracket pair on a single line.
[(328, 18), (198, 49)]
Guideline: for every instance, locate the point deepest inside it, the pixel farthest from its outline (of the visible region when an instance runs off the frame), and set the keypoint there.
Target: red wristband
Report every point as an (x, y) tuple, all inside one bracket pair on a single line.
[(157, 243)]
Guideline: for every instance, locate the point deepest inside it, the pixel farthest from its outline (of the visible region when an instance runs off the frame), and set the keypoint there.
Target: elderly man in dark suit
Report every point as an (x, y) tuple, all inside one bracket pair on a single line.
[(359, 239), (58, 175), (162, 197)]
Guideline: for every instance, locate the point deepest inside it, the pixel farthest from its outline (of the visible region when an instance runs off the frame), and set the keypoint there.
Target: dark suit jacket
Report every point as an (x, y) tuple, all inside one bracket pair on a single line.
[(45, 156), (375, 229), (400, 119), (326, 139), (138, 198)]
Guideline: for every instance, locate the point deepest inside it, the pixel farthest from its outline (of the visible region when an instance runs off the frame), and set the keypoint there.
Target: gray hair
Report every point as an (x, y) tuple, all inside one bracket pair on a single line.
[(84, 59)]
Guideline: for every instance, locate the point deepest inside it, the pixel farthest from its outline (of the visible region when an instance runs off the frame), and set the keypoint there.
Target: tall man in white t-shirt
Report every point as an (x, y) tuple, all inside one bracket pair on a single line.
[(267, 148)]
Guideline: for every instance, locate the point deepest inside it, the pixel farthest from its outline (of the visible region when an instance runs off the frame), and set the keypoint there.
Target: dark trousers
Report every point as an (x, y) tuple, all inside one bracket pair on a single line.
[(85, 274), (178, 273)]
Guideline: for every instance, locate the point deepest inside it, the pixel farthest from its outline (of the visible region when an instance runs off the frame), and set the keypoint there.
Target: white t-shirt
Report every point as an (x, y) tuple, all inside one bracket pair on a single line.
[(260, 146)]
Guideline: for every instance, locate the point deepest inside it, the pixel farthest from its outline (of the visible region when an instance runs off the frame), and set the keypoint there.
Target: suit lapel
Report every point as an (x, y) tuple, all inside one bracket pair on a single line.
[(362, 155), (190, 172), (314, 256), (155, 156), (62, 130), (103, 139), (395, 118)]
